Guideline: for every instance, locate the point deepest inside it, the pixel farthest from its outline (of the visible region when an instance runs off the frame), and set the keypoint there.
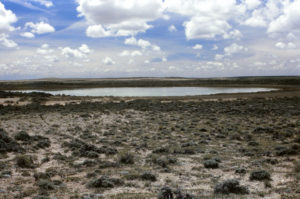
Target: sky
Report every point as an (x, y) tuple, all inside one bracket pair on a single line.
[(148, 38)]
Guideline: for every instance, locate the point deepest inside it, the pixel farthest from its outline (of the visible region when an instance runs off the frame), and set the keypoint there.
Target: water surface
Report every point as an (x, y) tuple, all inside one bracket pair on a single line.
[(152, 91)]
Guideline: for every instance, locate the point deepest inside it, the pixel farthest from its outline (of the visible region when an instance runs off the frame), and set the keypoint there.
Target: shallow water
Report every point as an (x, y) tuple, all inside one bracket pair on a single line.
[(152, 91)]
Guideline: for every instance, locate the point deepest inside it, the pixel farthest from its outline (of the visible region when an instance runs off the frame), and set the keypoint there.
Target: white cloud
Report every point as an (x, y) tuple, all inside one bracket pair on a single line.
[(108, 61), (291, 36), (208, 18), (134, 42), (234, 49), (219, 57), (136, 53), (257, 19), (40, 28), (276, 16), (234, 34), (69, 52), (46, 3), (205, 28), (291, 45), (144, 44), (7, 18), (172, 28), (119, 18), (44, 50), (27, 35), (97, 31), (6, 42), (252, 4), (172, 68), (288, 20), (198, 47), (131, 61), (125, 53), (215, 47), (155, 48), (80, 53), (282, 45), (85, 49), (29, 3)]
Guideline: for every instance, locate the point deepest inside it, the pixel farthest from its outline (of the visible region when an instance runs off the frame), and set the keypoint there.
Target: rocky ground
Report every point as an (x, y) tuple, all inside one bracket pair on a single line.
[(150, 148)]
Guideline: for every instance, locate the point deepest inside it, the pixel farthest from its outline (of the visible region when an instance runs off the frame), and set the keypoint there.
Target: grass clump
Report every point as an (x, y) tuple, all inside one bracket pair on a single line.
[(25, 161), (260, 175), (126, 158)]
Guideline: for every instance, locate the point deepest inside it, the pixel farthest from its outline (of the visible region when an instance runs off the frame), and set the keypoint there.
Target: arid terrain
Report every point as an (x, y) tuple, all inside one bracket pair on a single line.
[(219, 146)]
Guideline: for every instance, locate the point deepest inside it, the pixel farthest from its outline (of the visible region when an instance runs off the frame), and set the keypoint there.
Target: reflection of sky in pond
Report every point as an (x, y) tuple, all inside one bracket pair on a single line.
[(148, 92)]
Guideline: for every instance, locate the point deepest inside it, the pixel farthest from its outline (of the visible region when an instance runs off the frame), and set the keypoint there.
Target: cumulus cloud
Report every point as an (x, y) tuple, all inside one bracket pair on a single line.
[(252, 4), (47, 53), (172, 28), (198, 47), (219, 57), (44, 50), (282, 45), (234, 49), (141, 43), (7, 42), (215, 47), (144, 44), (257, 19), (203, 24), (79, 53), (27, 35), (125, 53), (7, 18), (205, 28), (85, 49), (234, 34), (275, 16), (288, 20), (119, 18), (134, 53), (40, 28), (108, 61)]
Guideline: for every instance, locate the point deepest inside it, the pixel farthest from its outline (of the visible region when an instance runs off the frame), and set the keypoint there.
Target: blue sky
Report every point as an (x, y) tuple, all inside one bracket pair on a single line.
[(128, 38)]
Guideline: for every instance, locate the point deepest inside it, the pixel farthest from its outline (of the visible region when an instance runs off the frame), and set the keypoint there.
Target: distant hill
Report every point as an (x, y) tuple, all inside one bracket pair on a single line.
[(56, 83)]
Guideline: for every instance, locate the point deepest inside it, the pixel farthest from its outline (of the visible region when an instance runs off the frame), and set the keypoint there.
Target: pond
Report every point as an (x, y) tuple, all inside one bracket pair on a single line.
[(152, 91)]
